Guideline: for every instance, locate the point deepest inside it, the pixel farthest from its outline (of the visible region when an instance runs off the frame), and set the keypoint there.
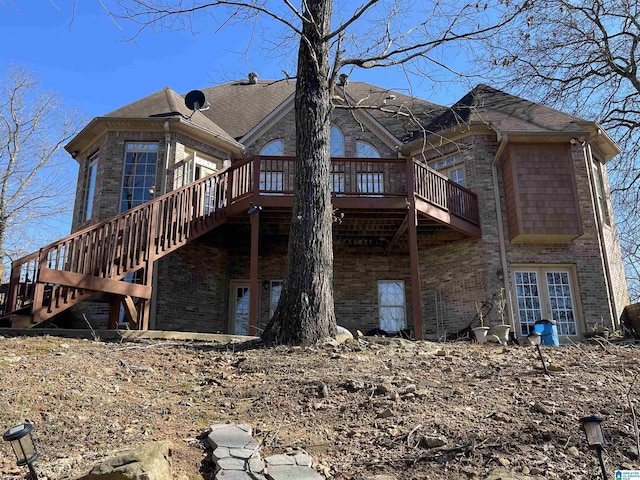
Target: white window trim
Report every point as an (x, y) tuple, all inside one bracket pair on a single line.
[(233, 286), (128, 150), (90, 192)]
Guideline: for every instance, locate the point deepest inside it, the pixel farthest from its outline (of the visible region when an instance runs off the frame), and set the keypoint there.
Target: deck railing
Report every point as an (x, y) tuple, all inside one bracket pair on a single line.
[(121, 245), (437, 189)]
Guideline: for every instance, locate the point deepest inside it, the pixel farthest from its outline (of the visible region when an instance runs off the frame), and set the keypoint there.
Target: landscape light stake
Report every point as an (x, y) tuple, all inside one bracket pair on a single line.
[(535, 339), (595, 438), (23, 447)]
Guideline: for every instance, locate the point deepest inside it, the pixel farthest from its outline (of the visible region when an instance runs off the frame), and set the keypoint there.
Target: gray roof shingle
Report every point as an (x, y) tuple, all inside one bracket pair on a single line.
[(237, 107), (167, 103), (504, 113)]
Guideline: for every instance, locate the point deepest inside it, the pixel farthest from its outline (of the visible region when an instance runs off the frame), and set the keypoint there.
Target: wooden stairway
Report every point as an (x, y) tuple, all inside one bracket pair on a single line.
[(104, 257), (116, 257)]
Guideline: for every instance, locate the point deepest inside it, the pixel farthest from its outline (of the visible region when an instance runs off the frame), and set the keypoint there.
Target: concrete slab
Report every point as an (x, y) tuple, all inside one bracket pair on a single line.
[(127, 335)]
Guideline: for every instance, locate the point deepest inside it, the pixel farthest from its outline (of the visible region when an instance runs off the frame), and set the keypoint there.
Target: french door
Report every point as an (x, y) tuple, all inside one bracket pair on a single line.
[(239, 314), (546, 293)]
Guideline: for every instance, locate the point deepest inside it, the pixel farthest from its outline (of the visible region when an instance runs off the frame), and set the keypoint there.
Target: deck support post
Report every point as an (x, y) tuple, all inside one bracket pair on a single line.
[(414, 264), (114, 312), (254, 283)]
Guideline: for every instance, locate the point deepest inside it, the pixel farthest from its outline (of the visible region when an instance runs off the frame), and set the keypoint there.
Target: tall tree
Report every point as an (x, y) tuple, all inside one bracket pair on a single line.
[(34, 183), (377, 33), (582, 57)]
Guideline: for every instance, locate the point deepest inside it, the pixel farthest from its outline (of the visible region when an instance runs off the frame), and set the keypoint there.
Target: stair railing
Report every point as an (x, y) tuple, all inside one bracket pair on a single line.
[(124, 243)]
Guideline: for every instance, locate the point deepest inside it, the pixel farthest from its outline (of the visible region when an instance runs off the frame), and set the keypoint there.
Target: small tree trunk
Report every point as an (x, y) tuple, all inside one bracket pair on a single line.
[(305, 312)]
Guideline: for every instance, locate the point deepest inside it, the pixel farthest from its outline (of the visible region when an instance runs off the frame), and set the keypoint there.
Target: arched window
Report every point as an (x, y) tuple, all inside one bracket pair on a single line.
[(273, 148), (366, 150), (336, 142)]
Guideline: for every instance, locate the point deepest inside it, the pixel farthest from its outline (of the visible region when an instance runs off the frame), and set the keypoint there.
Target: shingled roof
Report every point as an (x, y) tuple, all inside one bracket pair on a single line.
[(167, 103), (399, 115), (504, 113), (239, 106)]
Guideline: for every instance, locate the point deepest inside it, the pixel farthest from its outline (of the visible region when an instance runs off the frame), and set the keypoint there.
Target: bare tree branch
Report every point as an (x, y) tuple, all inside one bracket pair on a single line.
[(34, 128)]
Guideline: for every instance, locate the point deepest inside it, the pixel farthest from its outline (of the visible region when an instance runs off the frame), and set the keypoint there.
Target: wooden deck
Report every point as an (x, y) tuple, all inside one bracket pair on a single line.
[(117, 256)]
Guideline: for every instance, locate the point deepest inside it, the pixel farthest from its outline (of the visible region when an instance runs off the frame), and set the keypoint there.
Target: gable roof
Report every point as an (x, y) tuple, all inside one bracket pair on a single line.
[(504, 113), (238, 107), (397, 113)]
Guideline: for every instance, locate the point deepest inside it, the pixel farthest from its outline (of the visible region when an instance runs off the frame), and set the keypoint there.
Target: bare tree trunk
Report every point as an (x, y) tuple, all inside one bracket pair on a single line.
[(305, 312)]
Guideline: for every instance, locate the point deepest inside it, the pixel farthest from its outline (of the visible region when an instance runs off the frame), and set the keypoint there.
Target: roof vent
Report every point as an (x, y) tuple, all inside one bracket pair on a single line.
[(253, 78)]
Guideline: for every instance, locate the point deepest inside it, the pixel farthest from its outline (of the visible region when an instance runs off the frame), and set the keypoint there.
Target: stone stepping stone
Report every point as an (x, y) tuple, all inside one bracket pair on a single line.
[(292, 472), (237, 475), (231, 436)]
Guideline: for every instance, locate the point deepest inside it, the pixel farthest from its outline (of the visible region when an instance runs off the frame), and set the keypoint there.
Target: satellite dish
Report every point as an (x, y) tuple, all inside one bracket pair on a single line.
[(195, 100)]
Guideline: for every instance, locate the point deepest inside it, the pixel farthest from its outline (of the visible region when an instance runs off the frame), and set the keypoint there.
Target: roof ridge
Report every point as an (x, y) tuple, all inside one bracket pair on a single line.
[(172, 103)]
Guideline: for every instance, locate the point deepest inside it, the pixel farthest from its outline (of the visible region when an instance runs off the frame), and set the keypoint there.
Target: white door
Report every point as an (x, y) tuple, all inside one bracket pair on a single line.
[(240, 309)]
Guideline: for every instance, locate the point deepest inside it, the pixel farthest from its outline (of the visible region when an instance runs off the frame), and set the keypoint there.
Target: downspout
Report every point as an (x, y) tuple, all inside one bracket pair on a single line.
[(163, 189), (586, 147), (503, 248)]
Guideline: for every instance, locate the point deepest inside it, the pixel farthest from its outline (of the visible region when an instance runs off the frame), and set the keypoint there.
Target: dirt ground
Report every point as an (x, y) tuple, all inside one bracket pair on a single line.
[(408, 410)]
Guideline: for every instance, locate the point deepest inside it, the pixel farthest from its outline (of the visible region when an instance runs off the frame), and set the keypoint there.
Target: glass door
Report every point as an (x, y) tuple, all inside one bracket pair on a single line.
[(240, 310), (545, 294)]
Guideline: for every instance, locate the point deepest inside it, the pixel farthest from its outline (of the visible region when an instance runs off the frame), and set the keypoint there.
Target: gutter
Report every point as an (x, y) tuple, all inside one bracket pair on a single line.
[(504, 139)]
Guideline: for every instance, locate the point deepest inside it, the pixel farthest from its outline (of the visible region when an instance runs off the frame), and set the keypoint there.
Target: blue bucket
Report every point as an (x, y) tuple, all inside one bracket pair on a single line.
[(548, 331)]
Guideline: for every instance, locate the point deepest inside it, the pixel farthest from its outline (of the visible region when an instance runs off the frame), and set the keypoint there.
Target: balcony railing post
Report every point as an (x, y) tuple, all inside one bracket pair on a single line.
[(255, 187), (14, 284), (416, 297)]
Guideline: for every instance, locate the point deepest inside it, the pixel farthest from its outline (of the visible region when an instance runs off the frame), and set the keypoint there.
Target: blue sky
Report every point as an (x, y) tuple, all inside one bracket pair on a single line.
[(83, 54), (88, 61)]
